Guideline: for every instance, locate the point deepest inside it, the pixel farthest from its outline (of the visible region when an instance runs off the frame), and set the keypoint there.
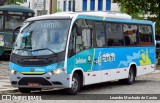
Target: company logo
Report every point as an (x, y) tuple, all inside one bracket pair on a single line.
[(80, 60), (6, 97), (32, 69), (39, 69)]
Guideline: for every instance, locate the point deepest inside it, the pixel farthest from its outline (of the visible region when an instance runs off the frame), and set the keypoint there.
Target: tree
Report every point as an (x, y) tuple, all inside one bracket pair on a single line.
[(8, 2), (136, 7)]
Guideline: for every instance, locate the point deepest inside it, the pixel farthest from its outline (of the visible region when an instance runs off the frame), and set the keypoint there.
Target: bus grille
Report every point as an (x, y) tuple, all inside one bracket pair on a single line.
[(41, 81), (43, 60), (34, 63)]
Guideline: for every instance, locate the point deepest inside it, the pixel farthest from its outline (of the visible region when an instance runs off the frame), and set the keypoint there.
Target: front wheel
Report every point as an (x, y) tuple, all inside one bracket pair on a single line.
[(75, 85), (25, 90), (131, 77)]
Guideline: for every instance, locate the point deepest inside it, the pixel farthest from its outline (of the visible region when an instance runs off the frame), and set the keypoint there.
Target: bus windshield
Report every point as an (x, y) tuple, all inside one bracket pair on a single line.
[(13, 21), (43, 37)]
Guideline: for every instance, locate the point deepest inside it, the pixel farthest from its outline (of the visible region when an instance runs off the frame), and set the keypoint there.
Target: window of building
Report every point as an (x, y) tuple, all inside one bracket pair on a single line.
[(84, 5), (25, 0), (108, 5), (100, 34), (100, 4), (114, 34), (92, 5), (130, 34), (64, 5), (69, 6), (58, 5), (146, 36)]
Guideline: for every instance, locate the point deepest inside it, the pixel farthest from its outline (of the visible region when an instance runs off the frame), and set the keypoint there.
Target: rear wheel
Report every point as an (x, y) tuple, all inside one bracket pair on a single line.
[(75, 85), (25, 90), (131, 77)]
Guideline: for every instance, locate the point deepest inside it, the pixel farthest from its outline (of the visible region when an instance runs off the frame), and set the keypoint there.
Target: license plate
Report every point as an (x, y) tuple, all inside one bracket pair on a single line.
[(33, 84)]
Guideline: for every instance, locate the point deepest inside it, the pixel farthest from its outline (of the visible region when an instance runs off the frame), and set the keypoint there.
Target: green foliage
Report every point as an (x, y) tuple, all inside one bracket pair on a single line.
[(57, 10), (13, 1), (135, 8)]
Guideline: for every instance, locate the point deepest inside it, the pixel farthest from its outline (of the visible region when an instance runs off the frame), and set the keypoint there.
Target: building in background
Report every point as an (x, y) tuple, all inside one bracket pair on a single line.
[(41, 7), (87, 5)]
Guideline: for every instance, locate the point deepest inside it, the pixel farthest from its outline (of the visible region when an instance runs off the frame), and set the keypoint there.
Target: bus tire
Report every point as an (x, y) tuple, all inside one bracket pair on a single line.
[(131, 77), (25, 90), (75, 85)]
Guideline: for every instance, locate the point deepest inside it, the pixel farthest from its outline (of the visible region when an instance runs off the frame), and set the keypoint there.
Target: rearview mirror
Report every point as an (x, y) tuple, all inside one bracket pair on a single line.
[(15, 32)]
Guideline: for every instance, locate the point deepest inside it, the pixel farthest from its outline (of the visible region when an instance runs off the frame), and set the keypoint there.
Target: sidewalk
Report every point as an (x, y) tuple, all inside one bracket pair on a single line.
[(5, 86)]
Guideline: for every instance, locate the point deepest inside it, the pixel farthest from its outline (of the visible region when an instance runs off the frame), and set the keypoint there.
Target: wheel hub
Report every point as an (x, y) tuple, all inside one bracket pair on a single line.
[(74, 84)]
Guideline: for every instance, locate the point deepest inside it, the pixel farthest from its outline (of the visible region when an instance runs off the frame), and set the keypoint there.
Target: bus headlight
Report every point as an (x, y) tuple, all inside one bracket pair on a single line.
[(13, 72), (57, 71)]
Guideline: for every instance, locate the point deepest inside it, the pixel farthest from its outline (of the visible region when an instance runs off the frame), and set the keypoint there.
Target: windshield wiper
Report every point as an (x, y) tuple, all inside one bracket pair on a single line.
[(44, 49), (24, 49)]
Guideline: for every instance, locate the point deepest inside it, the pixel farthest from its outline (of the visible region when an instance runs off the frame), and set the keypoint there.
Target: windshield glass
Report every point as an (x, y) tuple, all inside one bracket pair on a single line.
[(13, 21), (43, 37)]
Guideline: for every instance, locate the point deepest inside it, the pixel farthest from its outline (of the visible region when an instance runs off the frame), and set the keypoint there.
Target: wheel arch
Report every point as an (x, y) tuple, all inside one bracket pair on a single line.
[(134, 66), (80, 72)]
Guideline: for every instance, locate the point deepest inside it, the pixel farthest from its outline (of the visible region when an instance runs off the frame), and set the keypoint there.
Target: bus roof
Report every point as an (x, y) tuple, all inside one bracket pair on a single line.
[(99, 15), (16, 8)]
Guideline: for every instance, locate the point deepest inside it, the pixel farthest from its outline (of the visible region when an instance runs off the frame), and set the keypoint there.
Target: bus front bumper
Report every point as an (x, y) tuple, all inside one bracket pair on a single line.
[(46, 81)]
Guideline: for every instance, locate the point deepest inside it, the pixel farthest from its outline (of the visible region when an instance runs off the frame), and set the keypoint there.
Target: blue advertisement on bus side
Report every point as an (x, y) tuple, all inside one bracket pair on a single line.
[(101, 59)]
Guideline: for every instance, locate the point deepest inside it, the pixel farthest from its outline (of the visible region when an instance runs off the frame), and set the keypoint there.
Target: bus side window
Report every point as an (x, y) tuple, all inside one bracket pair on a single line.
[(100, 34), (114, 34), (130, 33), (83, 35), (83, 41), (145, 33)]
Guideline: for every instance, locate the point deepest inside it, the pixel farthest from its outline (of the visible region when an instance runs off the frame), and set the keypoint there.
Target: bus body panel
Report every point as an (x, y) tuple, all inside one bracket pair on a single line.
[(98, 65), (108, 64), (42, 73)]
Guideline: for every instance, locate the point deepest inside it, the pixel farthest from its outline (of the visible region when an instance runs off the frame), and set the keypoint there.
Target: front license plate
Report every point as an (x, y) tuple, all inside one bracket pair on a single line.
[(33, 84)]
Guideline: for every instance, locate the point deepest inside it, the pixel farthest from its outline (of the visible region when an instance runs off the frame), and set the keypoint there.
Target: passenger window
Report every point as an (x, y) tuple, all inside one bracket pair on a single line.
[(130, 34), (82, 32), (114, 34), (100, 34), (145, 33), (83, 41)]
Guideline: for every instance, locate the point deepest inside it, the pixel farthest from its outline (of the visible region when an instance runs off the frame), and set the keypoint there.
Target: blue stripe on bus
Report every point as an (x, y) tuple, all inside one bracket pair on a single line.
[(43, 69)]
